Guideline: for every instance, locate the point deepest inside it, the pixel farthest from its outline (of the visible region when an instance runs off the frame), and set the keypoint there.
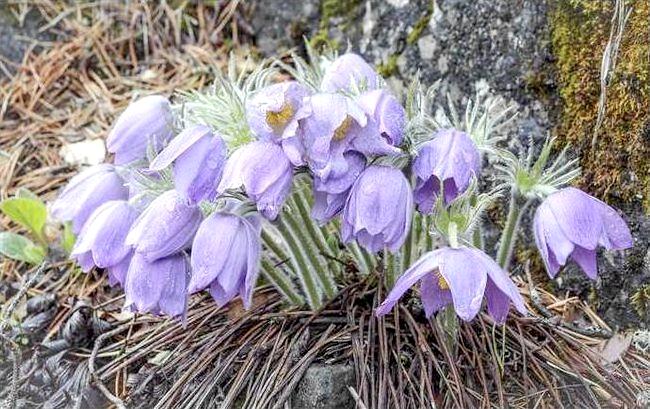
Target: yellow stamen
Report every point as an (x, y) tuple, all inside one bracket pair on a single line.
[(278, 119), (442, 283), (342, 130)]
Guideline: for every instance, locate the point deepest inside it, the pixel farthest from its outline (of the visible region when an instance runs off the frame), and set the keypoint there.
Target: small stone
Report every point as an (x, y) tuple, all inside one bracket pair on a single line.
[(88, 152), (325, 387), (427, 46)]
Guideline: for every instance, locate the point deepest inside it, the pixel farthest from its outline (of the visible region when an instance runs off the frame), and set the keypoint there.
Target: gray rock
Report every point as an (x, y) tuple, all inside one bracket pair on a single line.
[(14, 38), (325, 387)]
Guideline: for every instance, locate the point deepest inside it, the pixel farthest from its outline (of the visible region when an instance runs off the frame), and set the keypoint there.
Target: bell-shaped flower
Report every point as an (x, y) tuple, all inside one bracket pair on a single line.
[(570, 223), (271, 112), (460, 276), (387, 114), (101, 242), (86, 192), (264, 172), (447, 162), (198, 159), (349, 72), (158, 287), (334, 124), (226, 257), (330, 194), (379, 209), (165, 227), (145, 123)]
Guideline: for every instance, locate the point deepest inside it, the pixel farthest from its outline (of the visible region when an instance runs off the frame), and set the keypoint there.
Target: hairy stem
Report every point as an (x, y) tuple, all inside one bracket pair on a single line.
[(281, 281), (509, 235)]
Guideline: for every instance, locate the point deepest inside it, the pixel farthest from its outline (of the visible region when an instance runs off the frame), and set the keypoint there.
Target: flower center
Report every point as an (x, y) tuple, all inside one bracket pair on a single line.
[(342, 130), (442, 283), (278, 119)]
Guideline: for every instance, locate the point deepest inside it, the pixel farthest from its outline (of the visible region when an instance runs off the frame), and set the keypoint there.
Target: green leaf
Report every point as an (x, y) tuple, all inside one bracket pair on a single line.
[(68, 239), (20, 248), (29, 213)]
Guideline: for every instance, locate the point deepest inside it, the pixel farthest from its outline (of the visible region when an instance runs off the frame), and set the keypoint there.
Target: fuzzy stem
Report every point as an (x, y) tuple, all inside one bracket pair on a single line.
[(310, 254), (359, 257), (509, 236), (281, 282), (304, 271)]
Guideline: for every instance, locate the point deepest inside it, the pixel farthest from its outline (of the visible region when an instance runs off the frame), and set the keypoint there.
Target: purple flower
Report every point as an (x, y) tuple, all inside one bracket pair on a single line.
[(165, 227), (199, 158), (330, 194), (86, 192), (348, 71), (226, 262), (387, 113), (271, 112), (101, 241), (378, 210), (145, 122), (451, 159), (334, 124), (117, 272), (462, 276), (159, 286), (571, 223), (265, 173)]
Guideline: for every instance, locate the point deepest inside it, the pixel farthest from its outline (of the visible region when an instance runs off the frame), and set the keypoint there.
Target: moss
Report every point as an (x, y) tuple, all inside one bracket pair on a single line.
[(617, 165), (389, 67), (420, 25), (330, 9)]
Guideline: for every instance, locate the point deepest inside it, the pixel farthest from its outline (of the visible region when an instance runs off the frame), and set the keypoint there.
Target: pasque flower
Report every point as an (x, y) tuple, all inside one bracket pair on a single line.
[(159, 286), (347, 72), (145, 122), (570, 223), (387, 114), (331, 193), (447, 162), (101, 242), (165, 227), (265, 173), (226, 257), (334, 124), (271, 112), (379, 209), (199, 158), (460, 276), (86, 192)]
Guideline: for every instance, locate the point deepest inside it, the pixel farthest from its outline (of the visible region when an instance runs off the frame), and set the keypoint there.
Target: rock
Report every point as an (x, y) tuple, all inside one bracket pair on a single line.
[(14, 38), (325, 387)]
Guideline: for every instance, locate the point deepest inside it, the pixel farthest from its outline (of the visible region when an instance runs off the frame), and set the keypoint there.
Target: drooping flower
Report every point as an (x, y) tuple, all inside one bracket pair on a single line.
[(330, 194), (102, 239), (265, 173), (570, 223), (460, 276), (86, 192), (334, 124), (448, 161), (158, 287), (165, 227), (145, 122), (199, 158), (225, 258), (379, 209), (386, 112), (347, 72)]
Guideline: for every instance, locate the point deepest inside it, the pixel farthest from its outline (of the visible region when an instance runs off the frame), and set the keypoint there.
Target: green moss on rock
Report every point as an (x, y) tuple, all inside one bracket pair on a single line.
[(420, 25), (389, 67), (331, 9), (618, 163)]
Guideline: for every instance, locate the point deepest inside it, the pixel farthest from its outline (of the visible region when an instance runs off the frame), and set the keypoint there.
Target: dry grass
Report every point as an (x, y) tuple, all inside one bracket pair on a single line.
[(91, 352)]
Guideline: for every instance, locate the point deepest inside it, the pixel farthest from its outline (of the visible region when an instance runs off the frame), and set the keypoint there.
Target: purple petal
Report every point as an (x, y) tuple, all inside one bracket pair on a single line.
[(387, 113), (348, 70), (433, 297), (498, 303), (578, 215), (586, 259), (271, 112), (167, 226), (117, 272), (178, 145), (466, 278), (145, 122), (425, 265)]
